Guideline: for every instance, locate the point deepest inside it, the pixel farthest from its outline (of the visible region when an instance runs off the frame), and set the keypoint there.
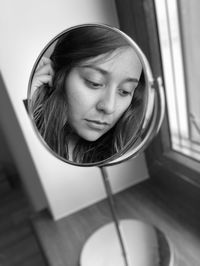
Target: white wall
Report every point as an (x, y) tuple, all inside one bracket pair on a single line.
[(26, 27)]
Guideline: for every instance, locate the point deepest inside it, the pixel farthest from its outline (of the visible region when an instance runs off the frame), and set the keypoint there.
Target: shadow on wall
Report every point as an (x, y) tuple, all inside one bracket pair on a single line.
[(8, 169), (17, 154)]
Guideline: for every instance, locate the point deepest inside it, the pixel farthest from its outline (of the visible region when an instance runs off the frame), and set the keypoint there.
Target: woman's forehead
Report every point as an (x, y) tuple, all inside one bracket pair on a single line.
[(111, 55), (123, 61)]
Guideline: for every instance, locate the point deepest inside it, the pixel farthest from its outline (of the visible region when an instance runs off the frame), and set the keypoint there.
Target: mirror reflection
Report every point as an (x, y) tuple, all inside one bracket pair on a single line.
[(92, 102), (87, 98)]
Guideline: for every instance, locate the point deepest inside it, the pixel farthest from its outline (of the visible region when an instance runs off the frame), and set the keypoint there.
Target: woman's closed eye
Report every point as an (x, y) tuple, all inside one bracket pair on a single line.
[(125, 93), (127, 89), (94, 84)]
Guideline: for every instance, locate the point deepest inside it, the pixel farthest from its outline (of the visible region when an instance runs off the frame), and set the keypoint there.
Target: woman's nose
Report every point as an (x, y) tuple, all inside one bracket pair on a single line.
[(107, 103)]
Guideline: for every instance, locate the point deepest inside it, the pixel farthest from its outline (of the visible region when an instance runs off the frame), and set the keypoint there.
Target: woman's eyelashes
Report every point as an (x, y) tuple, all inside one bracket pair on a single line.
[(92, 79), (125, 93), (101, 84), (96, 80), (93, 84)]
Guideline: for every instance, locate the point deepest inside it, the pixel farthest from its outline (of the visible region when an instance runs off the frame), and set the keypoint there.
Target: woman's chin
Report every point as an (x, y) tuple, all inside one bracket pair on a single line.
[(91, 136)]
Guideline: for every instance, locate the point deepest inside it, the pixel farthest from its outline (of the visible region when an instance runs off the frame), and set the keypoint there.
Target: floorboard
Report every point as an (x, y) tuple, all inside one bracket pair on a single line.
[(62, 241)]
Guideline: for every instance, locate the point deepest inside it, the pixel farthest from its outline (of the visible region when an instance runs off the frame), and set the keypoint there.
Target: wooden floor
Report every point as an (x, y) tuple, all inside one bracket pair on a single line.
[(18, 246), (172, 213)]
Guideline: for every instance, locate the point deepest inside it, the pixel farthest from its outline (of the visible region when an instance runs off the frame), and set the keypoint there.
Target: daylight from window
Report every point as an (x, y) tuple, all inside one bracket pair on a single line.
[(184, 125)]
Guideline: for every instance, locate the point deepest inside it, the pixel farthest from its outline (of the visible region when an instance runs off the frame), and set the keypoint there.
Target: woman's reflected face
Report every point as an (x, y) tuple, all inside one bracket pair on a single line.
[(99, 91)]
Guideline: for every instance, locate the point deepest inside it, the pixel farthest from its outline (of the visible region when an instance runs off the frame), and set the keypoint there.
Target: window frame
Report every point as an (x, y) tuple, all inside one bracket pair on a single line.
[(136, 17)]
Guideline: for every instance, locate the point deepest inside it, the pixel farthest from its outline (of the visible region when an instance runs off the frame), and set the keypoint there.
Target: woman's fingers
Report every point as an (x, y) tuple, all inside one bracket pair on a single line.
[(44, 70), (41, 80), (38, 81), (43, 61), (43, 74)]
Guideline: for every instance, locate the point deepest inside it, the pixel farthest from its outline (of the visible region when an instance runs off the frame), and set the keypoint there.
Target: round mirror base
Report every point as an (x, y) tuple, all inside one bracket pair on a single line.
[(144, 245)]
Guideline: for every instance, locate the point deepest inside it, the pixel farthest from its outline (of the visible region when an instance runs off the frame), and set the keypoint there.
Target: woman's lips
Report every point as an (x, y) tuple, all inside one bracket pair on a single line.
[(96, 124)]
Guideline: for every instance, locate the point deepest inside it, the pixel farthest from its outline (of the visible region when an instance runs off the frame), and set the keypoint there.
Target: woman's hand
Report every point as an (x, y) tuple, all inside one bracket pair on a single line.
[(43, 74)]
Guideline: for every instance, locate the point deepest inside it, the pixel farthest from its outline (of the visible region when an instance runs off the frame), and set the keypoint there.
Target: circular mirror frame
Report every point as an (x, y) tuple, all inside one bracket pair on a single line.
[(155, 104)]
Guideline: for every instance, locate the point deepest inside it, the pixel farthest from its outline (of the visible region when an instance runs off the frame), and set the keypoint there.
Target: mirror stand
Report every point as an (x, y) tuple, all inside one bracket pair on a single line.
[(125, 242), (107, 241), (67, 67), (115, 218)]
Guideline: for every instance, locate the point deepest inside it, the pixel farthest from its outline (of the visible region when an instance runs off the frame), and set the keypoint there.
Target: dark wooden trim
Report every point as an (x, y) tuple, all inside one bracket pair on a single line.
[(180, 190), (132, 21)]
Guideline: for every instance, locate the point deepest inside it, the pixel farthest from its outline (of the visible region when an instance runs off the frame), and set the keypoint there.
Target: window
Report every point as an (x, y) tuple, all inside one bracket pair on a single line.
[(168, 33), (178, 27)]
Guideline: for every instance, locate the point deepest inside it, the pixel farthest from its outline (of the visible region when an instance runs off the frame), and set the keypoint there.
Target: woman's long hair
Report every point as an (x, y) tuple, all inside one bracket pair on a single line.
[(49, 105)]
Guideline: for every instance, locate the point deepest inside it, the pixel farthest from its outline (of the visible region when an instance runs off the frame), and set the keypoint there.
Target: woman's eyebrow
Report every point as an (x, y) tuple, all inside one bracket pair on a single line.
[(105, 72), (99, 69), (134, 80)]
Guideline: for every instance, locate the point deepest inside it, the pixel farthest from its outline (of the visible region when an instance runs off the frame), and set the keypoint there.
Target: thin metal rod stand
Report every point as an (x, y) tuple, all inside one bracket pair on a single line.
[(113, 211)]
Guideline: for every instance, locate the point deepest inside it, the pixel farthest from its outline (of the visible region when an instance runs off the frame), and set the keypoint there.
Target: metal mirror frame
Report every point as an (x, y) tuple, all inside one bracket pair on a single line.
[(155, 105), (150, 125)]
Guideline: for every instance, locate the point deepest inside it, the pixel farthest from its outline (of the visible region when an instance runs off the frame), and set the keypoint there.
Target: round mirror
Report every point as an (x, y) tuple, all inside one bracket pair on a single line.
[(91, 96), (93, 102)]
